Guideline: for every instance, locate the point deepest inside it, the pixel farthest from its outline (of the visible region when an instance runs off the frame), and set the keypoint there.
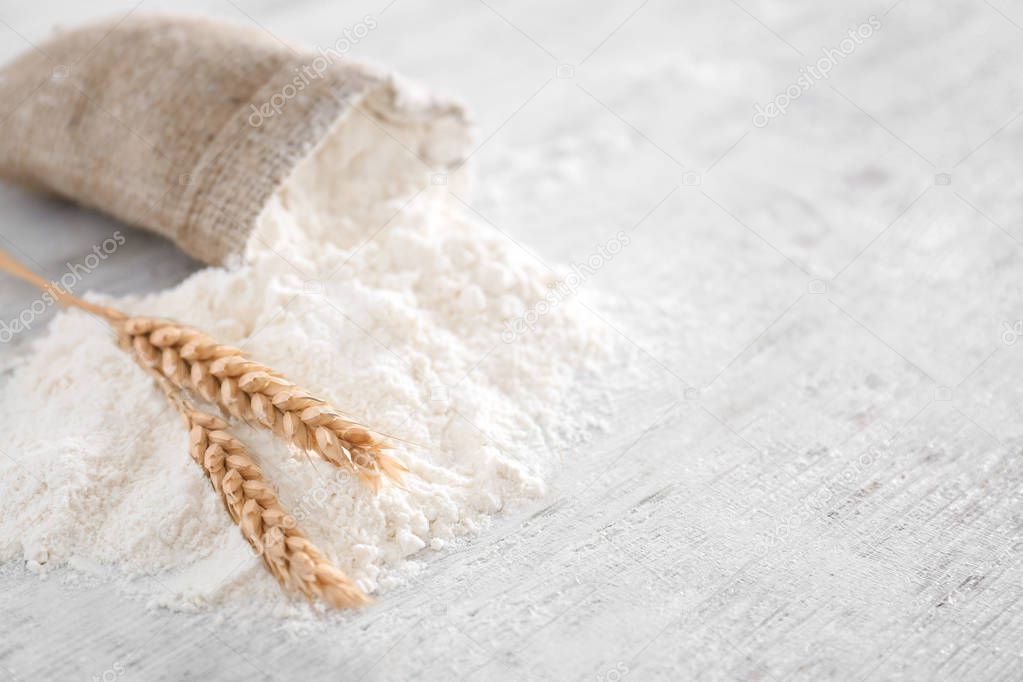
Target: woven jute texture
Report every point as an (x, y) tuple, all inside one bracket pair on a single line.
[(187, 126)]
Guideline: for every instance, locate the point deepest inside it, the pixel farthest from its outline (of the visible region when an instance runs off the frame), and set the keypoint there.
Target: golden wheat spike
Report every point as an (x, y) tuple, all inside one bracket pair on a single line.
[(245, 389), (295, 562)]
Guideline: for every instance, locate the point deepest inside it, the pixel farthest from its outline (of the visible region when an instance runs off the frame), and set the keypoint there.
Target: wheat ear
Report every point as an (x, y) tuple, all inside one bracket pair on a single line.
[(246, 389), (290, 556)]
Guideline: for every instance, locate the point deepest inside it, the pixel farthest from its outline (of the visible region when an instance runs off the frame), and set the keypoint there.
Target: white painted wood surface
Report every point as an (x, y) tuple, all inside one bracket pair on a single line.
[(814, 469)]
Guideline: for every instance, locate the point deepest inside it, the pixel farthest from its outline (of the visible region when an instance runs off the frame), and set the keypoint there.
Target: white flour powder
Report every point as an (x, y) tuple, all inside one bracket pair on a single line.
[(392, 309)]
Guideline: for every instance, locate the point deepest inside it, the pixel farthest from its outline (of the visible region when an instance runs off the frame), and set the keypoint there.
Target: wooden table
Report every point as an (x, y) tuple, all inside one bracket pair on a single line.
[(813, 468)]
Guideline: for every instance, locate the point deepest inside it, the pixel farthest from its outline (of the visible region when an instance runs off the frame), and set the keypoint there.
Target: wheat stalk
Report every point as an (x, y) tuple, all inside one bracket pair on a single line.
[(290, 556), (242, 387)]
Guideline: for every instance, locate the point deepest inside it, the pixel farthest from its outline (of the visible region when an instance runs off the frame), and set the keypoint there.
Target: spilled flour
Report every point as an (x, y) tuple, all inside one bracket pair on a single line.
[(425, 325)]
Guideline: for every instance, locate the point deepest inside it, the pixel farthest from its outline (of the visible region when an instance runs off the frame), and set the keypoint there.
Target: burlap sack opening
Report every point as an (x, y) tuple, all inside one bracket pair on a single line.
[(188, 127)]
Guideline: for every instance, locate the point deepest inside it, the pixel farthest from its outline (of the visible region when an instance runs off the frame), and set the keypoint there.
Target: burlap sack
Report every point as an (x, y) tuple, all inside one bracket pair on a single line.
[(187, 126)]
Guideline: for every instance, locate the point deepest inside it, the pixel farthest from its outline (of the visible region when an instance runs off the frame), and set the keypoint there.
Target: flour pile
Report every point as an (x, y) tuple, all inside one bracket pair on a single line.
[(396, 309)]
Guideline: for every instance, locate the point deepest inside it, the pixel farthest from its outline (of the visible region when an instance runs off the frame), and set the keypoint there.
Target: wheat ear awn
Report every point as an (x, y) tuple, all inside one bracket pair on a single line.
[(243, 388), (295, 561)]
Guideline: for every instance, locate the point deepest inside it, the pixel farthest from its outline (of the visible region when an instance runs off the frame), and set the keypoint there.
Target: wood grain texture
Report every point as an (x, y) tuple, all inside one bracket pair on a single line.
[(813, 471)]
